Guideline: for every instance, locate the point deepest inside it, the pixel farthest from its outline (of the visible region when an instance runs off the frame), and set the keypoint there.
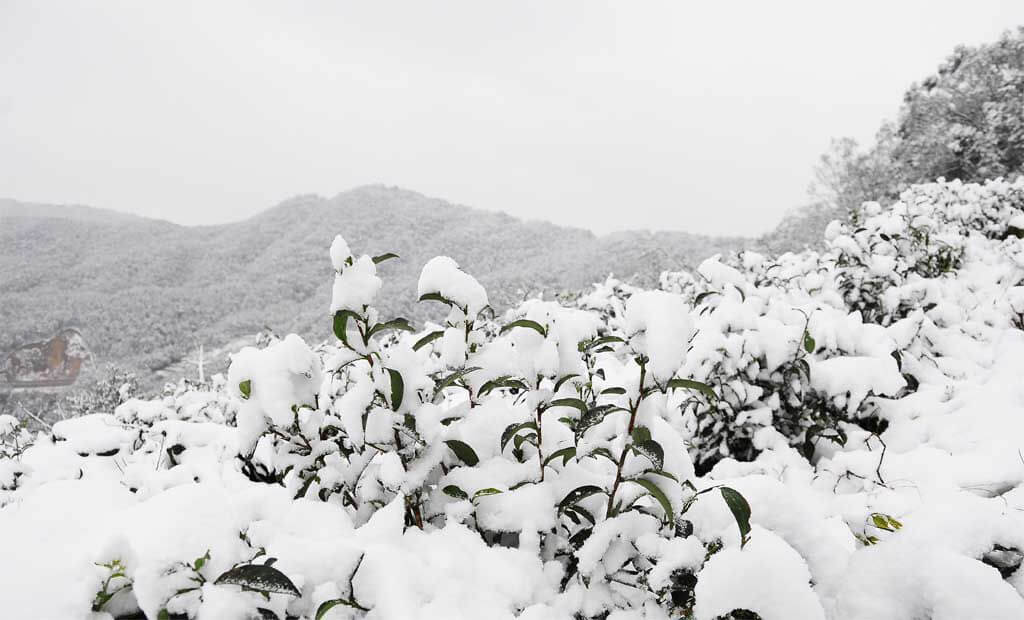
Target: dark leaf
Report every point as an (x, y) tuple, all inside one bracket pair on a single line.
[(521, 439), (570, 402), (561, 382), (578, 494), (512, 429), (640, 434), (601, 341), (399, 324), (326, 606), (808, 343), (259, 578), (740, 511), (486, 492), (658, 495), (506, 381), (704, 296), (341, 318), (245, 387), (690, 384), (594, 416), (451, 379), (527, 323), (565, 453), (463, 450), (424, 341), (397, 388), (435, 297), (383, 257), (455, 492), (653, 451)]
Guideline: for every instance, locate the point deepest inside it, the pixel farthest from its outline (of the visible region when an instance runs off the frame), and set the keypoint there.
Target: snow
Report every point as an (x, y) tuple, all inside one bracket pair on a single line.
[(662, 327), (857, 376), (767, 577), (906, 500), (442, 275), (356, 286), (340, 253)]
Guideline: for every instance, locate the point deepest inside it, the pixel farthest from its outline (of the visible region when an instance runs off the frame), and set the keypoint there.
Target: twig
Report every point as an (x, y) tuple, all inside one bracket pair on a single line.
[(35, 417)]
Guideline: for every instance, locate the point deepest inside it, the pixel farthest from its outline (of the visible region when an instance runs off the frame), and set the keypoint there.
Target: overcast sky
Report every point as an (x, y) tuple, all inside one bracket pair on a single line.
[(705, 117)]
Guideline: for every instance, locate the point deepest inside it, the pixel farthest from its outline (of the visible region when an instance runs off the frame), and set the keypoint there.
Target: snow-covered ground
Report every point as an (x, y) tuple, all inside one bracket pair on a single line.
[(834, 434)]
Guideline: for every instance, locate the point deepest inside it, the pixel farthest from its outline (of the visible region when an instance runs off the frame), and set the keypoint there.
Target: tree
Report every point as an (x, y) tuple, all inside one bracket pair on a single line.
[(965, 122)]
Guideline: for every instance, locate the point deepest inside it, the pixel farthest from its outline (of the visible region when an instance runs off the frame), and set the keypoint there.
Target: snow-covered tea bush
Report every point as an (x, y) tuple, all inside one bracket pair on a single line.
[(830, 434)]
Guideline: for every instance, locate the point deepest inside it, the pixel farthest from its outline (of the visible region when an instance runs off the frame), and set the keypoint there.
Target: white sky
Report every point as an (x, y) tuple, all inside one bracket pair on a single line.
[(699, 116)]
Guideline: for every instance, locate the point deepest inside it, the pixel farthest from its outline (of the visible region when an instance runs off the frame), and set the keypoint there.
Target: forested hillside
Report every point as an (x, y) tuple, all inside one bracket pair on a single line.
[(146, 293)]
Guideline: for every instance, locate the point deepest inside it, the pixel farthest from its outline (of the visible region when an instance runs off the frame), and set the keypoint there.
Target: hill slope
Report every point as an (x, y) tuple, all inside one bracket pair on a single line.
[(146, 292)]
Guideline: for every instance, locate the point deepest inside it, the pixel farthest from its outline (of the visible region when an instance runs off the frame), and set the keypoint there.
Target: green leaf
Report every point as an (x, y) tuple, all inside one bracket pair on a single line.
[(450, 380), (435, 297), (260, 578), (519, 440), (424, 341), (201, 561), (561, 382), (594, 417), (704, 296), (397, 388), (512, 429), (658, 495), (399, 324), (653, 451), (455, 492), (341, 318), (463, 450), (663, 474), (534, 325), (570, 402), (808, 342), (605, 452), (740, 511), (640, 434), (505, 381), (803, 367), (245, 387), (486, 492), (690, 384), (617, 391), (574, 511), (565, 453), (383, 257), (577, 495), (326, 606), (596, 342)]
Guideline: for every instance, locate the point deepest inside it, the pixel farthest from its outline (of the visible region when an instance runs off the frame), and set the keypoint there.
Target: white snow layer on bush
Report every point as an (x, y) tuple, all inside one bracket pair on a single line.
[(442, 275), (355, 286), (875, 386)]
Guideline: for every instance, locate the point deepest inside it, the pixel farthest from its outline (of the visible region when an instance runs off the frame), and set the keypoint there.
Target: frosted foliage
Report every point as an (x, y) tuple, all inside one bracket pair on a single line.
[(592, 459)]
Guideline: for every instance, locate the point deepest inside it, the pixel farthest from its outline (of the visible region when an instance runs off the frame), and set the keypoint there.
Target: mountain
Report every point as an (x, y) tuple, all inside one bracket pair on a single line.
[(146, 293)]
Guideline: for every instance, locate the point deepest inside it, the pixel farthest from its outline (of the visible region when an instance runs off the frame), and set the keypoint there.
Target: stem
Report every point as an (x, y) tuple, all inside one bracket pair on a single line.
[(540, 443), (633, 408)]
